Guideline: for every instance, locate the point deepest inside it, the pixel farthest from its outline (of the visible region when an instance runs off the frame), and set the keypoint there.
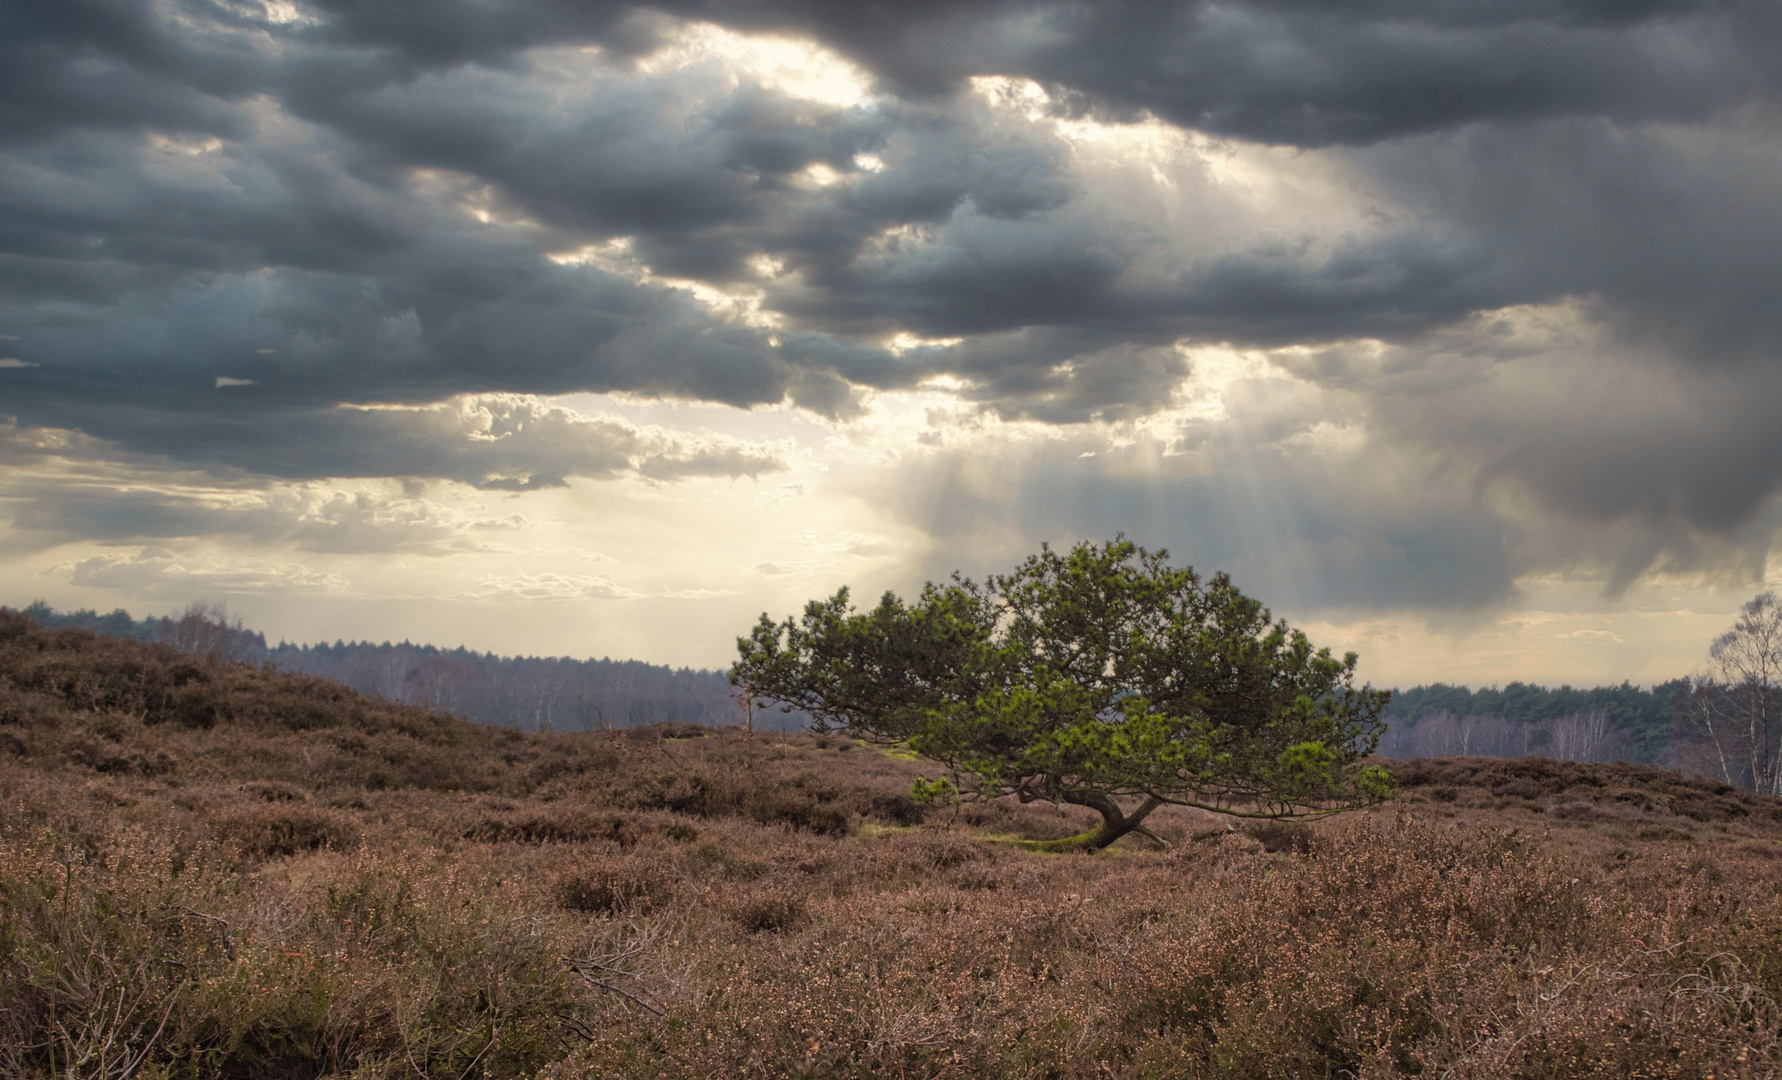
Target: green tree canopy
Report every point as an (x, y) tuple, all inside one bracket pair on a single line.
[(1091, 677)]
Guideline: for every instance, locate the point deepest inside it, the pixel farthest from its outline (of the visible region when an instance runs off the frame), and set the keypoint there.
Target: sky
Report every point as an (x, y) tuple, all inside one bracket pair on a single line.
[(1449, 329)]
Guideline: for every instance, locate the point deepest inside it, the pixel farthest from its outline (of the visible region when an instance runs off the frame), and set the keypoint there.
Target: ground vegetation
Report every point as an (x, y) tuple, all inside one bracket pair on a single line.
[(208, 870)]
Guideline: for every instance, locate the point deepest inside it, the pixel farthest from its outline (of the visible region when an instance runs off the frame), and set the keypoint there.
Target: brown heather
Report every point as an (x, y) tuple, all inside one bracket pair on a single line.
[(210, 871)]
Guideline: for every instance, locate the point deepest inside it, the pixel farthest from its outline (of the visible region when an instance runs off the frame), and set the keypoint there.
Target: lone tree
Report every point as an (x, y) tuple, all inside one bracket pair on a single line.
[(1095, 677)]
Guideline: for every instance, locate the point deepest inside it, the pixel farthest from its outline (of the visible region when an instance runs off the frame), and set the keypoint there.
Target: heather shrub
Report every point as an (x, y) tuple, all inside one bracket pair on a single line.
[(559, 825), (1662, 833), (266, 832), (892, 807), (610, 886), (1281, 835), (800, 810), (1520, 788), (1575, 811), (26, 709), (722, 861), (1537, 779), (769, 909), (944, 851), (1322, 967), (274, 791), (681, 831), (114, 959), (797, 801)]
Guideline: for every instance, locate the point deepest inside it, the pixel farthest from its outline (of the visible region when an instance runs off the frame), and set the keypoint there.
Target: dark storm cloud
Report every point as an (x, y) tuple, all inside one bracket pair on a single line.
[(1302, 72), (1629, 460), (326, 222), (984, 277), (1674, 230), (1308, 74), (219, 221)]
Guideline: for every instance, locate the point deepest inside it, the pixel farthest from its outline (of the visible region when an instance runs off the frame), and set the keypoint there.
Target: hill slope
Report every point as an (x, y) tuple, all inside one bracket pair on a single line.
[(516, 691), (210, 870)]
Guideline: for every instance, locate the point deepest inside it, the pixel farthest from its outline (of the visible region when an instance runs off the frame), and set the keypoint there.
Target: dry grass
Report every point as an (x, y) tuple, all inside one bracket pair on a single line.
[(210, 871)]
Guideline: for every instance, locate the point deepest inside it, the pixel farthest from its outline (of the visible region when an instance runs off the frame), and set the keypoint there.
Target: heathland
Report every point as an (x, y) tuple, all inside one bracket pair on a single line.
[(210, 869)]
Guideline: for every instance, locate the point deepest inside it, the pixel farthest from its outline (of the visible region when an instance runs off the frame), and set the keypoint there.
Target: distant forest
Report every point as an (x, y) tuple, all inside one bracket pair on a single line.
[(515, 691), (1606, 723)]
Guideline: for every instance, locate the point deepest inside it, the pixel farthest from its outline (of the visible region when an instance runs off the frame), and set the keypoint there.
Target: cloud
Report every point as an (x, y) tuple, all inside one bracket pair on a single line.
[(514, 443), (1614, 460), (307, 519), (676, 457), (336, 227), (549, 586), (20, 444), (1310, 74), (66, 486), (408, 230), (1670, 230), (159, 574), (502, 442), (695, 594), (1592, 635)]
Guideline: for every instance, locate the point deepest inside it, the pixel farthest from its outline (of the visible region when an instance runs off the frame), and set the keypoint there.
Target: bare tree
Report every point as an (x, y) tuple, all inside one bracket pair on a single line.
[(1498, 736), (441, 682), (206, 629), (1704, 710), (1580, 736), (1441, 734), (1747, 663), (386, 671)]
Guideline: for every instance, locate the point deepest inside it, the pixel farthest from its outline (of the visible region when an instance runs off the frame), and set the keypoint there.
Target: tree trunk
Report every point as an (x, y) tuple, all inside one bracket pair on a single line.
[(1115, 822)]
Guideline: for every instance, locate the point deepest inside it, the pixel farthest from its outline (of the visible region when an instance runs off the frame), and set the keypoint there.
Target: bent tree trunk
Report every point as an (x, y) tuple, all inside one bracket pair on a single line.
[(1115, 822)]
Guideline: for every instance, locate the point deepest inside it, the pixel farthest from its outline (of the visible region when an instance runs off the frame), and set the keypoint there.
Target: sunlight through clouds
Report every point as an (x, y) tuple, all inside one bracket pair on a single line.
[(801, 68)]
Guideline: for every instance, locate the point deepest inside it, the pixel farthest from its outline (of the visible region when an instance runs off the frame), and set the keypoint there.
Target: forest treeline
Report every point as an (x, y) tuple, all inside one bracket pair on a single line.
[(1603, 723), (1606, 723)]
